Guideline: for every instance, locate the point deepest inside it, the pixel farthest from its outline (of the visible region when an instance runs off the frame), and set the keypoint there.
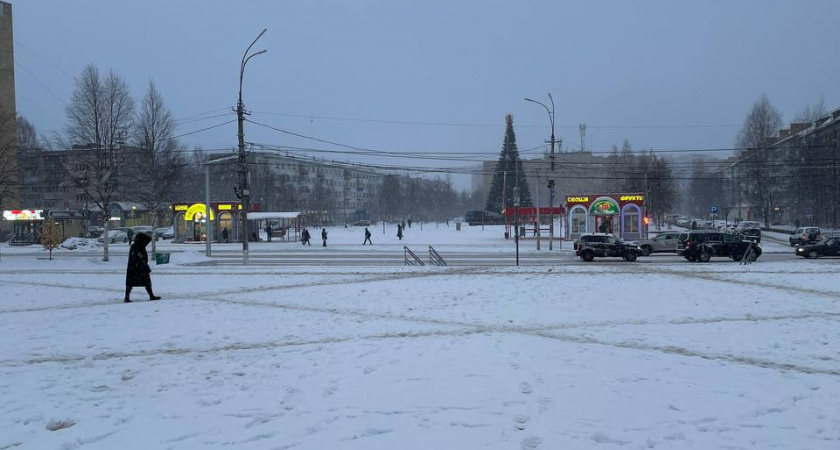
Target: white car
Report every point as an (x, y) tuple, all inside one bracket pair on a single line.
[(115, 236), (165, 233)]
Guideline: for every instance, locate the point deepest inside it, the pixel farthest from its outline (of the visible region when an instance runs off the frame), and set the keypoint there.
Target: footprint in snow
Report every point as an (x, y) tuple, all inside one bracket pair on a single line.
[(531, 443)]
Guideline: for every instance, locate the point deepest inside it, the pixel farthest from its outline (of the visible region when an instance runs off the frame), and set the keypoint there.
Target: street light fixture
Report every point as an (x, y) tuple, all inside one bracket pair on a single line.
[(550, 182), (244, 190)]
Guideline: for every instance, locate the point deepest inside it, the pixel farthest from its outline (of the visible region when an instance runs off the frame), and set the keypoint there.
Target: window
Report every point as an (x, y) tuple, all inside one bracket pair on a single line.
[(631, 223)]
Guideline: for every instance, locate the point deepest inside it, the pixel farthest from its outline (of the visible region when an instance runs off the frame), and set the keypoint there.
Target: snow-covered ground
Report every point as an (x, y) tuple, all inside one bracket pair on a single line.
[(579, 356)]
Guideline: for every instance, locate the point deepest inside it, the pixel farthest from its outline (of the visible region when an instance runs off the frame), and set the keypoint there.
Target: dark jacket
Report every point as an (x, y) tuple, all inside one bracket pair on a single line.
[(137, 273), (324, 234)]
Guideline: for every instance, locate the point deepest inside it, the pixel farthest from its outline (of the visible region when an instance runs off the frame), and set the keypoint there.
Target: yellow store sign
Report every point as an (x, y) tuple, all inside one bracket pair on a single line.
[(198, 211)]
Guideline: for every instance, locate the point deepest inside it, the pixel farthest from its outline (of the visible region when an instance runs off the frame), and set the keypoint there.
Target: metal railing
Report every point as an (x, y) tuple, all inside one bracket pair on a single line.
[(414, 260), (750, 255), (434, 257)]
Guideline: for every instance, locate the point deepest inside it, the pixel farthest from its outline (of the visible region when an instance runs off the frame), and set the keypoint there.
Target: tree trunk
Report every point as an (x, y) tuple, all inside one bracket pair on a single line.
[(106, 227), (154, 234)]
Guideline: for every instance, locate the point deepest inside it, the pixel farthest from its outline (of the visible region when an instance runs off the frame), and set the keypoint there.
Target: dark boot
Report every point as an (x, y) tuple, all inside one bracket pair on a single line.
[(127, 295), (152, 295)]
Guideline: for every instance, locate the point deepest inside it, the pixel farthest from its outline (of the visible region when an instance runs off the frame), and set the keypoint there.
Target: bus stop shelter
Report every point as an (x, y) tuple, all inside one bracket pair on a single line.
[(284, 224)]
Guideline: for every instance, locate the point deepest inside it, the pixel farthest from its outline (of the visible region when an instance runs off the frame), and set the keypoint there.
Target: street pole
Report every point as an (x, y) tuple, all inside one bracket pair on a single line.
[(551, 213), (516, 220), (538, 209), (244, 189), (207, 207), (550, 182)]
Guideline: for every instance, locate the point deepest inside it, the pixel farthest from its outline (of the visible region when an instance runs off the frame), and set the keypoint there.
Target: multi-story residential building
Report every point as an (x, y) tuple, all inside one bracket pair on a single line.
[(281, 182), (803, 164)]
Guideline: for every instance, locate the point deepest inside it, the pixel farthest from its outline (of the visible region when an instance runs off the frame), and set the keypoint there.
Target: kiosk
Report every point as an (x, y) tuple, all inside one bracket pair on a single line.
[(619, 214)]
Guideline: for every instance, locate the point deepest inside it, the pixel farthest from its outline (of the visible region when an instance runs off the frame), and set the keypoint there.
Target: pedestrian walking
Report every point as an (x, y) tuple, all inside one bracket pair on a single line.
[(268, 233), (138, 271), (409, 222), (305, 237), (225, 234), (324, 236), (399, 232), (367, 237)]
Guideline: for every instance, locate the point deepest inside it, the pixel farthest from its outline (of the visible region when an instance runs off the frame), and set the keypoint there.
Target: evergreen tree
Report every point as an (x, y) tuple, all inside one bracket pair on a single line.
[(510, 164)]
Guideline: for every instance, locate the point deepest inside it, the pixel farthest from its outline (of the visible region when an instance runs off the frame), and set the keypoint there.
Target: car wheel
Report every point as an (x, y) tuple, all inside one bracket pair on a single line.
[(646, 250), (125, 240), (630, 257), (587, 256), (793, 244), (705, 256), (736, 257), (813, 254)]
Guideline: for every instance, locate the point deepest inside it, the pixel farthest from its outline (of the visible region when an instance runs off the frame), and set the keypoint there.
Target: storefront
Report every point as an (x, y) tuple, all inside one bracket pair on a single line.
[(128, 214), (619, 214), (189, 221), (25, 225), (71, 221)]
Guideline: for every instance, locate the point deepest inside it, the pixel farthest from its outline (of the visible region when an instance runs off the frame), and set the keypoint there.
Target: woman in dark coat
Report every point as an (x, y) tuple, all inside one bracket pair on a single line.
[(137, 273)]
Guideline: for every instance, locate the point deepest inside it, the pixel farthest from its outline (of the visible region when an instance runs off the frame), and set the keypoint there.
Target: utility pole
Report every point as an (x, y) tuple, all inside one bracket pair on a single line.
[(244, 189), (209, 228), (551, 182)]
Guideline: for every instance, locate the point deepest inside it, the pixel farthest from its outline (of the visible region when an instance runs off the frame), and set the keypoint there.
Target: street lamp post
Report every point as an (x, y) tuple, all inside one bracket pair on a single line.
[(244, 189), (516, 220), (550, 182)]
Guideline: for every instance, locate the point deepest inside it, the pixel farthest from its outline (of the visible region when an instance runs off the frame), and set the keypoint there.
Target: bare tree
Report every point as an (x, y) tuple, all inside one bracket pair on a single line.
[(760, 126), (811, 112), (27, 137), (99, 118), (8, 160), (160, 158)]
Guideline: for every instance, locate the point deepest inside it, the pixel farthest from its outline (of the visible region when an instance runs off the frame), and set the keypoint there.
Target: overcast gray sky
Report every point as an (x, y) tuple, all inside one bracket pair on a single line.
[(440, 75)]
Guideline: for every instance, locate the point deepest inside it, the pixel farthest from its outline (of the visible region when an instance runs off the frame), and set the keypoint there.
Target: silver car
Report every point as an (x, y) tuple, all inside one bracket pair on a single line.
[(662, 243)]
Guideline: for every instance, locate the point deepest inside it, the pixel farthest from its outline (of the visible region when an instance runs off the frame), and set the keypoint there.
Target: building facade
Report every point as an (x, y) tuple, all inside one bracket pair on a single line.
[(801, 171)]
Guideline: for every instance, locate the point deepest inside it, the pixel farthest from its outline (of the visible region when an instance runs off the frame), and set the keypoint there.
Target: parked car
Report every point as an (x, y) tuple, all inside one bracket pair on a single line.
[(478, 217), (165, 233), (128, 232), (145, 229), (749, 229), (684, 222), (602, 245), (95, 231), (697, 245), (825, 247), (662, 243), (720, 225), (805, 236), (115, 236), (361, 223)]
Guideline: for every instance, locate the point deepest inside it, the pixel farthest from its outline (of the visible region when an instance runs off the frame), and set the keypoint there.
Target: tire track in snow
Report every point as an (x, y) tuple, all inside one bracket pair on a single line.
[(788, 289), (234, 291), (239, 347), (682, 351)]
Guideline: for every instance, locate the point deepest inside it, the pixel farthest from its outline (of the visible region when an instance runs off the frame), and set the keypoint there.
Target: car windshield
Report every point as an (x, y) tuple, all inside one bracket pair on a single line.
[(748, 225)]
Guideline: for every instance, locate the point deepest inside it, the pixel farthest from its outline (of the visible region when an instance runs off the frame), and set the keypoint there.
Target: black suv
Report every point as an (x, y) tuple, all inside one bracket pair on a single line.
[(588, 246), (700, 246)]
